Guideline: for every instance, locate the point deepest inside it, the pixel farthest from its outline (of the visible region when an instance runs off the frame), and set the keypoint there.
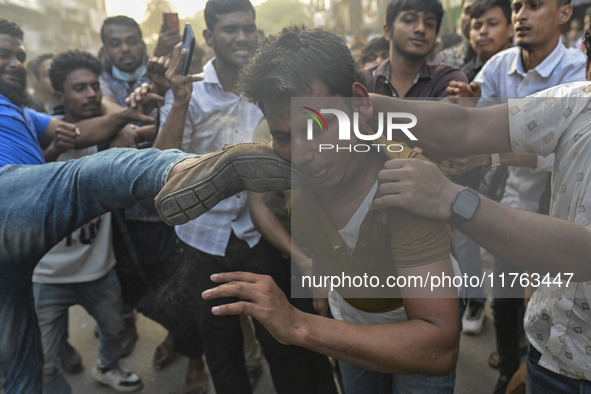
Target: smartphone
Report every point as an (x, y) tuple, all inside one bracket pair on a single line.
[(188, 42), (171, 20)]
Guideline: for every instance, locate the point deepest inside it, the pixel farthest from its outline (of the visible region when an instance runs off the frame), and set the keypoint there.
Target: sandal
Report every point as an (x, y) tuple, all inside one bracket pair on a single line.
[(197, 381), (493, 359), (164, 353)]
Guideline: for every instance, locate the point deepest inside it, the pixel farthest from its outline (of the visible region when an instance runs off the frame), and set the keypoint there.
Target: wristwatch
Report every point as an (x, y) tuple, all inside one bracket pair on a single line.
[(464, 206)]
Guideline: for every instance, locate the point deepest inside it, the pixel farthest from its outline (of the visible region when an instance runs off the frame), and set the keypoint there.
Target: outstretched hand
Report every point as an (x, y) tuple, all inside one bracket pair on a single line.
[(457, 89), (260, 298)]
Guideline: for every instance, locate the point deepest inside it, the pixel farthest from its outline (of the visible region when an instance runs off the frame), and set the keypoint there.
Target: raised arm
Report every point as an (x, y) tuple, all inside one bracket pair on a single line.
[(450, 129), (534, 242), (91, 131), (171, 132)]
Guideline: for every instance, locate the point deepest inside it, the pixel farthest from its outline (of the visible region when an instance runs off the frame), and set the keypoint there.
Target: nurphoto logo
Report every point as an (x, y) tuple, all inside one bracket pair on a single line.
[(388, 122)]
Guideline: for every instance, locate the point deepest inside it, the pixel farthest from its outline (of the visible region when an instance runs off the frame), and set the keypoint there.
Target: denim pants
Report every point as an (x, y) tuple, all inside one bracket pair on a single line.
[(467, 252), (101, 298), (357, 380), (41, 204), (542, 380)]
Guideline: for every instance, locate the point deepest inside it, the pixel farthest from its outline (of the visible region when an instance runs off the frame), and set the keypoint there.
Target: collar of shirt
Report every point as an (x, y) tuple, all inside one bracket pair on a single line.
[(210, 74), (121, 89), (383, 73), (6, 102), (545, 68)]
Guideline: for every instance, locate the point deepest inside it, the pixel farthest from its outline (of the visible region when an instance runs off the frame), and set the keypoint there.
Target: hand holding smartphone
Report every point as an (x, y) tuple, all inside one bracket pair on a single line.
[(171, 21), (187, 42)]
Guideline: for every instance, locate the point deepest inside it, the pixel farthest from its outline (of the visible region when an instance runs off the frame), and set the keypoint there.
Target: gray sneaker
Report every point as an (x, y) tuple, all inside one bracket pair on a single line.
[(202, 184), (69, 358), (116, 378), (473, 320)]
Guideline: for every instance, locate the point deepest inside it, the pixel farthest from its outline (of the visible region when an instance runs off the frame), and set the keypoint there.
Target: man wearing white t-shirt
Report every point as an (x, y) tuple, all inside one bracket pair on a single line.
[(80, 269)]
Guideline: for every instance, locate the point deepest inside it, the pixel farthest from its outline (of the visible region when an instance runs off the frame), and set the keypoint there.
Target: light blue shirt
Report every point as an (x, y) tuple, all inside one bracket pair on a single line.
[(503, 76), (215, 118)]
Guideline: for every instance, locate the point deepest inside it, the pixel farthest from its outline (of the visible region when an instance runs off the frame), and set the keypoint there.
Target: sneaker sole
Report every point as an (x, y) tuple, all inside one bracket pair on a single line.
[(469, 330), (122, 389), (252, 173)]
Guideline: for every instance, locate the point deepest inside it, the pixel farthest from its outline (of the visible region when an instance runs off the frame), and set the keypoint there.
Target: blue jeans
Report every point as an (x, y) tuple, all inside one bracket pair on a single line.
[(41, 204), (357, 380), (102, 300), (542, 380), (467, 252)]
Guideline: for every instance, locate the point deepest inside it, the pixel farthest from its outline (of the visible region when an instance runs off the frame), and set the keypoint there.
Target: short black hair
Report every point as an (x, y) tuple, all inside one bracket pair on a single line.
[(425, 6), (66, 62), (587, 43), (376, 45), (11, 28), (119, 20), (213, 8), (33, 65), (482, 6), (287, 64)]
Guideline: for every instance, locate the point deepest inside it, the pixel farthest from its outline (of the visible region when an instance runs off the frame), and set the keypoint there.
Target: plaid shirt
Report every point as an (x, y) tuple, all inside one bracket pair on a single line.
[(214, 118)]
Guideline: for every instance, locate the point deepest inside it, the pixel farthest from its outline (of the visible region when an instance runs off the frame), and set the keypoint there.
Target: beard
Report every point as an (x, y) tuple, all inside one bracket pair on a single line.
[(15, 93), (414, 57)]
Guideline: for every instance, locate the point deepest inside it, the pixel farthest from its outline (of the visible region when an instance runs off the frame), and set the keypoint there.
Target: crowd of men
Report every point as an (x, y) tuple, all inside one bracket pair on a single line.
[(85, 151)]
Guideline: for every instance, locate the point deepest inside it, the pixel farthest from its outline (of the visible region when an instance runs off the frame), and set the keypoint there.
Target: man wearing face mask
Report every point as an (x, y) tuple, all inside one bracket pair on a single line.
[(125, 50), (125, 68)]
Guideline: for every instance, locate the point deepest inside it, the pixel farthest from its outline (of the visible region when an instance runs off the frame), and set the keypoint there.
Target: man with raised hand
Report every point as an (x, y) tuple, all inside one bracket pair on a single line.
[(556, 122), (80, 269), (538, 62), (201, 116), (42, 203), (318, 64)]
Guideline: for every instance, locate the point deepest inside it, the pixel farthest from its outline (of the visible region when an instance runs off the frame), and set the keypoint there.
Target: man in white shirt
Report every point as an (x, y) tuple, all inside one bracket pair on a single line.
[(201, 118), (80, 269)]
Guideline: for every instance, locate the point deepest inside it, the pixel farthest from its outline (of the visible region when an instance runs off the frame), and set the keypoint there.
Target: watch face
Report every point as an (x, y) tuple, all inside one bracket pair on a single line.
[(466, 204)]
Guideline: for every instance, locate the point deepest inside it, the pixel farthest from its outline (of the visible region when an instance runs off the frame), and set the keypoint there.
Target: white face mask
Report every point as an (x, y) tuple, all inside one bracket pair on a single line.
[(129, 77)]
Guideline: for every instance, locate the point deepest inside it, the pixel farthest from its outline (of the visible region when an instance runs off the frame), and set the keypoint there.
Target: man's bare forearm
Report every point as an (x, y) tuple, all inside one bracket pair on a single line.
[(171, 134), (409, 347), (534, 242), (427, 343), (273, 230), (96, 130), (450, 129)]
